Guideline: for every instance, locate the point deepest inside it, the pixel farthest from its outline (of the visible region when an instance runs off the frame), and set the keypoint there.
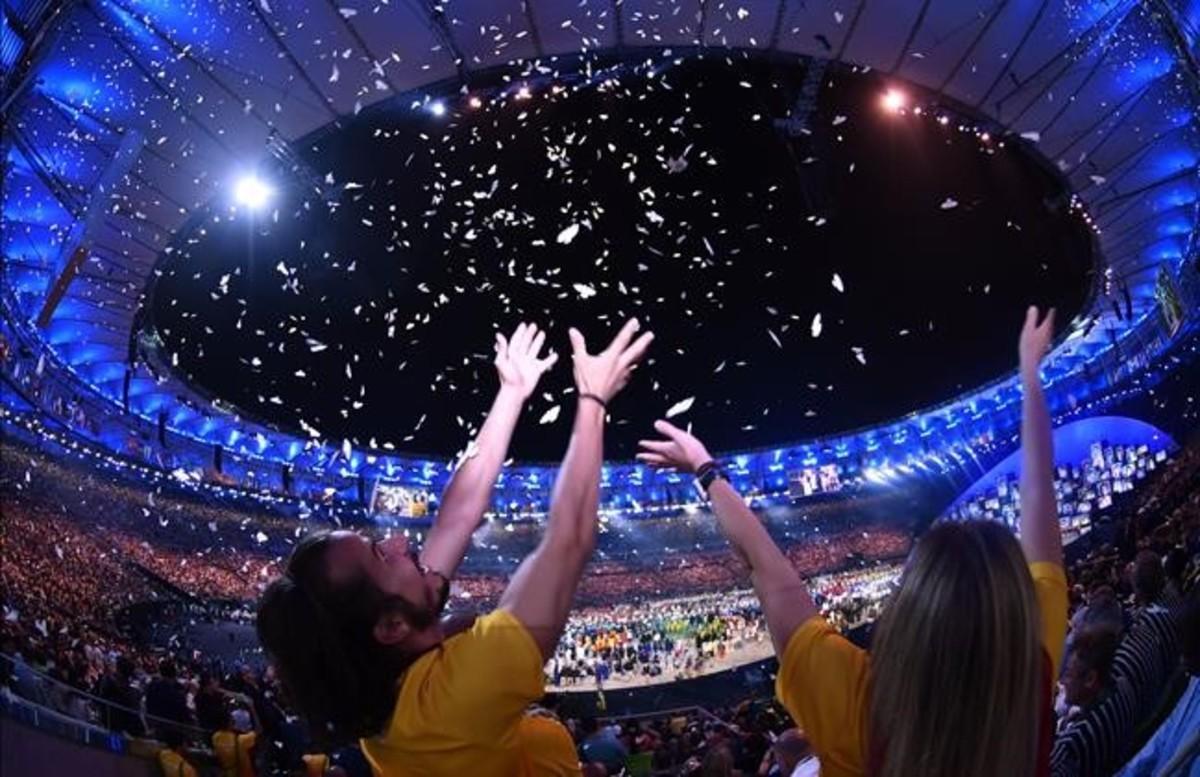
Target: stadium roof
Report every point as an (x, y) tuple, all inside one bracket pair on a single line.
[(126, 118)]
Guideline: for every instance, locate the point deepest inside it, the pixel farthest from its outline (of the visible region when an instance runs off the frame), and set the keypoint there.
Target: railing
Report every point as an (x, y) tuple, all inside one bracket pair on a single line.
[(61, 725), (38, 698)]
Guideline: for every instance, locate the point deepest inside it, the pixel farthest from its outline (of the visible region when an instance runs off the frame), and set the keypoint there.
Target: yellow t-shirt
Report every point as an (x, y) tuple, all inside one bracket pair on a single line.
[(174, 765), (549, 749), (233, 753), (823, 678), (461, 704), (315, 764)]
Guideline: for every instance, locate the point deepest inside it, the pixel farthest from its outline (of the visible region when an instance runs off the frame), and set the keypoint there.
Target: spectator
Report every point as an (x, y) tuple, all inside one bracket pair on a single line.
[(789, 750), (374, 661), (166, 699), (717, 763), (972, 639), (172, 759), (602, 745), (548, 745), (1176, 743), (1148, 653), (211, 702), (124, 699), (234, 749), (1174, 568)]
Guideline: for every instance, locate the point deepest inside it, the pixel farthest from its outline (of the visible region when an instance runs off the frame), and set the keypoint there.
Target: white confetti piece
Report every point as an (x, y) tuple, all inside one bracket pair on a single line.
[(837, 283), (567, 235), (816, 326), (949, 203), (551, 415), (680, 407)]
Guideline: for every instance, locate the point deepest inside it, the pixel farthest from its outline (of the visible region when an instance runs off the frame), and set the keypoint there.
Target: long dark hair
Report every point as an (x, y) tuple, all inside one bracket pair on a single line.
[(321, 641)]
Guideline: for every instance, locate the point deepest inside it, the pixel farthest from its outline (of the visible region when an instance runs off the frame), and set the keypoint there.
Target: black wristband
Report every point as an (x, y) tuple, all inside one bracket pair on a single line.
[(707, 473), (595, 398)]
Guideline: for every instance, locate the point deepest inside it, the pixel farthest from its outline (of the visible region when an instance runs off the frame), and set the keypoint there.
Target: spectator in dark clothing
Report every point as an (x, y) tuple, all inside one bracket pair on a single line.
[(166, 699), (117, 688), (601, 745), (211, 703)]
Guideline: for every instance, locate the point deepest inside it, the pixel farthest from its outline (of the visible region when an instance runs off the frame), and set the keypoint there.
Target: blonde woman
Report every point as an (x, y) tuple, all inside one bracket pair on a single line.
[(959, 677)]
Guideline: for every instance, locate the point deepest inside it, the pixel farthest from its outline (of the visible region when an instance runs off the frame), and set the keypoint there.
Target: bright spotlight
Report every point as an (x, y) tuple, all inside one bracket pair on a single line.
[(252, 192), (894, 100), (475, 102), (437, 108)]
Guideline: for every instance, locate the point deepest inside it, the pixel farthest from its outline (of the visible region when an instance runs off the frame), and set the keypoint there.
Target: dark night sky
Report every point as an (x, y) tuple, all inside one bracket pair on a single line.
[(450, 226)]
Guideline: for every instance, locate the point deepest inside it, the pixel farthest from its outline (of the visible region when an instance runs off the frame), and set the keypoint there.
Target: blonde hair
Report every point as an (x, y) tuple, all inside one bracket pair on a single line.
[(956, 660)]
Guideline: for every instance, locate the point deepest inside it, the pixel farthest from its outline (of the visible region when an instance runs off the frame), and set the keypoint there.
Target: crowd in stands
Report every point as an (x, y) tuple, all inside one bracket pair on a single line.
[(1081, 489), (1124, 693), (1128, 632)]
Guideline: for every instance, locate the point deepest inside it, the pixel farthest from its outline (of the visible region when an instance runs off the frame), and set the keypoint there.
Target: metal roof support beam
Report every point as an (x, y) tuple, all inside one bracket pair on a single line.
[(703, 23), (850, 30), (1116, 238), (912, 36), (23, 71), (531, 24), (777, 27), (1070, 100), (362, 44), (67, 110), (154, 81), (1083, 42), (291, 58), (1130, 102), (619, 23), (1189, 172), (1008, 62), (184, 53), (435, 15), (1138, 152), (57, 187), (987, 25)]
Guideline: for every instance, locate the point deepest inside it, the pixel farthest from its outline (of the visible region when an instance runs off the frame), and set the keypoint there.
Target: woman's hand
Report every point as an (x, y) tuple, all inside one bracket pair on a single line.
[(1035, 341), (681, 450), (517, 361)]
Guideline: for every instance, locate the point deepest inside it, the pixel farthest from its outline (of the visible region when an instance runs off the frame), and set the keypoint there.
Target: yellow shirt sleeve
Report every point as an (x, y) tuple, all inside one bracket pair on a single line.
[(460, 704), (1050, 584), (822, 683)]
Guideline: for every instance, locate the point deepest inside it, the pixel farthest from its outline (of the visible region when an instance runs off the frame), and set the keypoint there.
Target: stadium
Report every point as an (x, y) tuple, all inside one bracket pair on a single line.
[(283, 277)]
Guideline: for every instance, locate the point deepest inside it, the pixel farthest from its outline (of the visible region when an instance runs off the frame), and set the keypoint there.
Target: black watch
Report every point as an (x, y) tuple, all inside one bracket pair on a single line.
[(707, 473)]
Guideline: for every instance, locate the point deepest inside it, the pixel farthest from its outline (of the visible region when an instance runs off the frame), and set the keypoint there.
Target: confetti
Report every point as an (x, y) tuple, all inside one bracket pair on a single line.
[(680, 407), (567, 235)]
